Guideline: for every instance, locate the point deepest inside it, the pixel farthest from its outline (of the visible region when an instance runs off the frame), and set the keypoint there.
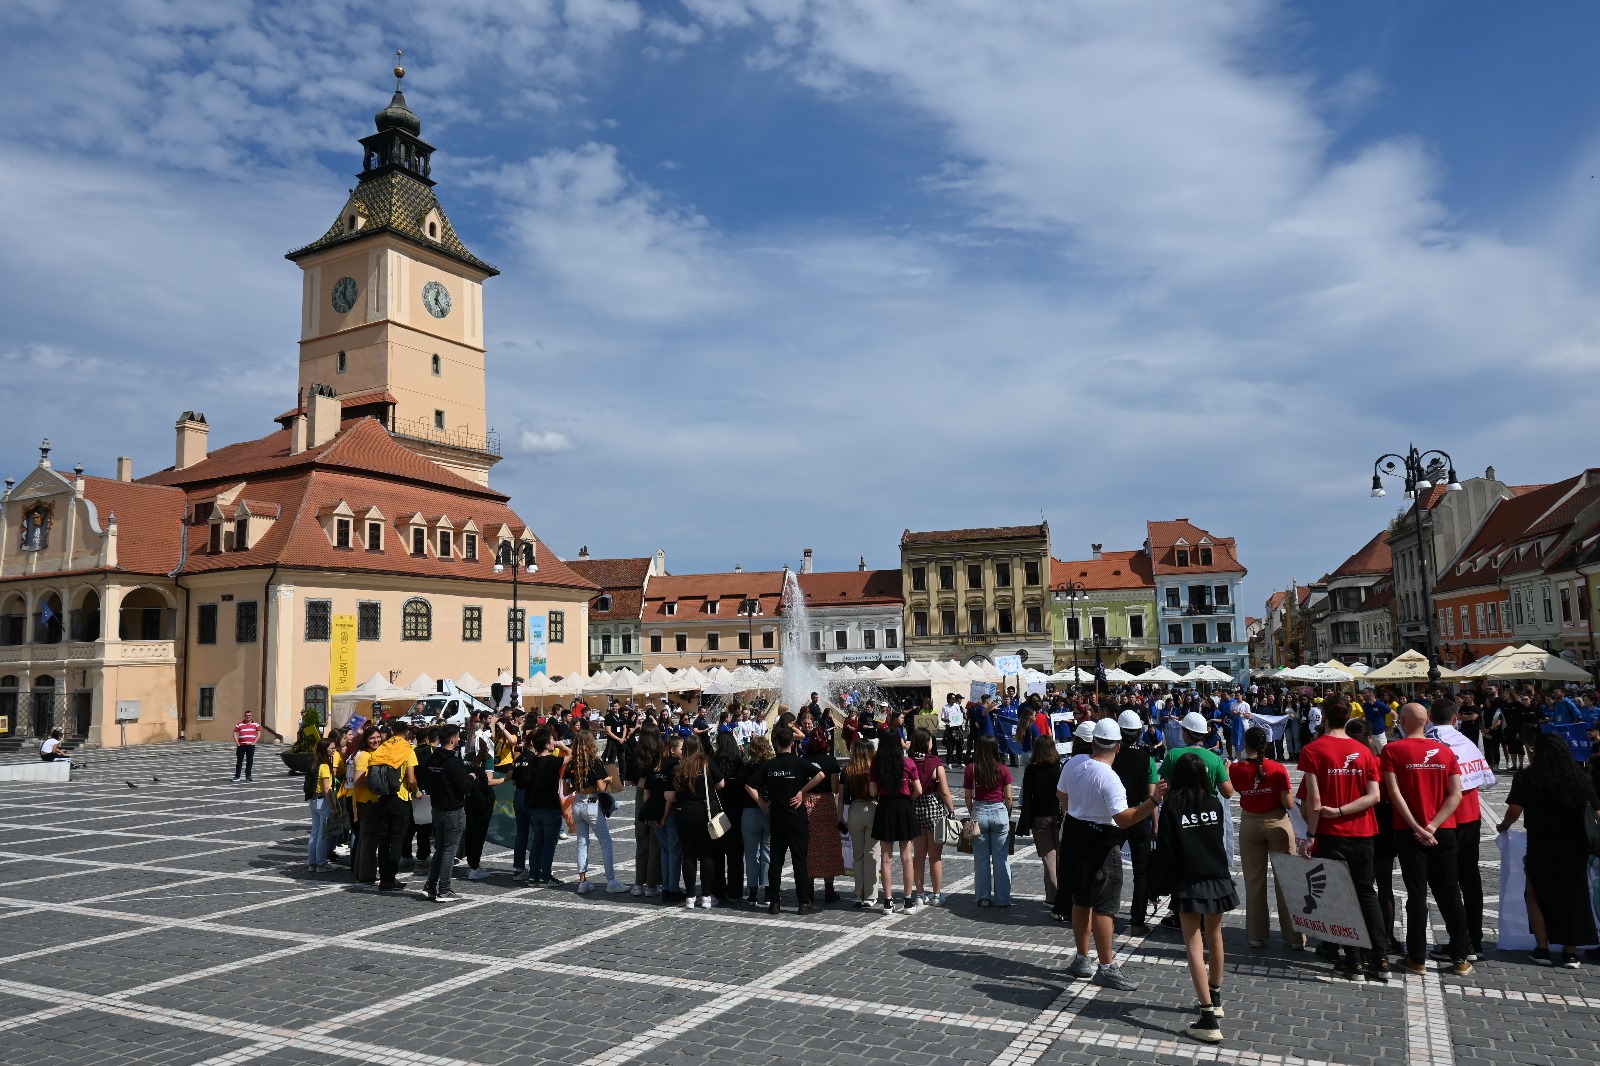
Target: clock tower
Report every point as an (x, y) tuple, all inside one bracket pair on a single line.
[(392, 308)]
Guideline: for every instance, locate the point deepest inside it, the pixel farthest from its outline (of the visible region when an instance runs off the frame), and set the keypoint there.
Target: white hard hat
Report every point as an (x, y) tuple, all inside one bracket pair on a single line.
[(1130, 721), (1195, 722), (1084, 732), (1105, 729)]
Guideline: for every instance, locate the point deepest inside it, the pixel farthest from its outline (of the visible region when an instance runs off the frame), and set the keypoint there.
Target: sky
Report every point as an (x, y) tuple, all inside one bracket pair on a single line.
[(780, 274)]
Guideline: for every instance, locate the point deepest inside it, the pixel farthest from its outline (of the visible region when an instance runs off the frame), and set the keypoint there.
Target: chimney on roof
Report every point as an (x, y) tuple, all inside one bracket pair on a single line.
[(322, 415), (124, 468), (805, 561), (1095, 548), (1489, 474), (297, 434), (583, 552), (659, 567), (192, 434), (861, 567)]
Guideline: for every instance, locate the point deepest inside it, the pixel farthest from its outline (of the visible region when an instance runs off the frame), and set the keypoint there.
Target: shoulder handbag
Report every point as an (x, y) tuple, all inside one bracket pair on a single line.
[(608, 804), (718, 825), (969, 832), (951, 833)]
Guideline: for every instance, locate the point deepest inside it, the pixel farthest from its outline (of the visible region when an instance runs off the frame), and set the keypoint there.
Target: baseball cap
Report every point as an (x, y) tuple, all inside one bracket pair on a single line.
[(1106, 730), (1085, 732), (1130, 721), (1195, 722)]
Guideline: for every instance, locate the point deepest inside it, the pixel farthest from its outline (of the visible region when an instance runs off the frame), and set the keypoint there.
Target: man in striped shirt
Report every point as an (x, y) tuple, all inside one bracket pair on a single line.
[(245, 735)]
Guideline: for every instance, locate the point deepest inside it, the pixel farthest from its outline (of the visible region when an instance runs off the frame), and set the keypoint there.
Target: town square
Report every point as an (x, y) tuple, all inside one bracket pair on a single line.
[(798, 532)]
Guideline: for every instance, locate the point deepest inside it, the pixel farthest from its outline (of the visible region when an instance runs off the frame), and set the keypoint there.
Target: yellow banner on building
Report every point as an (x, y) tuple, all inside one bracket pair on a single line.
[(342, 665)]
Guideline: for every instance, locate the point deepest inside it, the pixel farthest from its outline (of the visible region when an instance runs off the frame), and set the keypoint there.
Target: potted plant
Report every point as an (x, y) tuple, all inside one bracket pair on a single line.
[(302, 756)]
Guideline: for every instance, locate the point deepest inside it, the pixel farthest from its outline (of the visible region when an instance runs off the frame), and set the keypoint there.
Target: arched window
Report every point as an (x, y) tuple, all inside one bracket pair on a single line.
[(416, 620), (437, 366), (316, 699)]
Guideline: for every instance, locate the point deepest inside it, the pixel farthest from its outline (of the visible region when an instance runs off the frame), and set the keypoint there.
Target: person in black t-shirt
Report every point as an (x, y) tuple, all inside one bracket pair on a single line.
[(779, 786), (542, 800), (657, 810), (1137, 771)]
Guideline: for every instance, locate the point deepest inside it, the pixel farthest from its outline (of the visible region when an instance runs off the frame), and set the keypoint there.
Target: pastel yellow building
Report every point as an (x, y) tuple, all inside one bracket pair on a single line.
[(166, 607)]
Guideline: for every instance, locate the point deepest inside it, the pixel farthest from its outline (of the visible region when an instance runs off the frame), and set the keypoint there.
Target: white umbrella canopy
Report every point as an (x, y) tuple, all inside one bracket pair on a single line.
[(1209, 673), (1160, 675), (1407, 666), (473, 687), (1116, 676), (1074, 675), (1534, 662)]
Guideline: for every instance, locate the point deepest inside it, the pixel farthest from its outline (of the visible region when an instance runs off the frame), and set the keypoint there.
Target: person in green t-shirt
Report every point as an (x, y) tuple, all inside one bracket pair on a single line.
[(1195, 727)]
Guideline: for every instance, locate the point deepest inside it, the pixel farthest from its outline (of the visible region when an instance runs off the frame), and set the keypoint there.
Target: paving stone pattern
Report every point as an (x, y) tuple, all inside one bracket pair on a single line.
[(176, 923)]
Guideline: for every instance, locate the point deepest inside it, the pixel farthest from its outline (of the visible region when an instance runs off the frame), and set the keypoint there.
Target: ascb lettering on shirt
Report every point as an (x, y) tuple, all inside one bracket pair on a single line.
[(1199, 818)]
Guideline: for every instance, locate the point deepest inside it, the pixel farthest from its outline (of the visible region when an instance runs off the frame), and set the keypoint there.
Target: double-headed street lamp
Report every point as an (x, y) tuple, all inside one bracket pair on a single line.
[(519, 558), (1415, 468), (1068, 593)]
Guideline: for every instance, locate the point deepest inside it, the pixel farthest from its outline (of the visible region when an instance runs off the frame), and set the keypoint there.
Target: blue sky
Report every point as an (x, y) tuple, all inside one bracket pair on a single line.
[(803, 273)]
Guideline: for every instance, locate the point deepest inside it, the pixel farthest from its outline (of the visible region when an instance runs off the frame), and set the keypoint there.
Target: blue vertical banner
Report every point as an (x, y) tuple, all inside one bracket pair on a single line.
[(538, 648), (1577, 738)]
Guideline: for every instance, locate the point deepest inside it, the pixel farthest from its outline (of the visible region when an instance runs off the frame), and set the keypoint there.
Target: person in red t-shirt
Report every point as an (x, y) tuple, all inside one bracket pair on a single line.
[(1340, 781), (245, 735), (1423, 780), (1263, 790)]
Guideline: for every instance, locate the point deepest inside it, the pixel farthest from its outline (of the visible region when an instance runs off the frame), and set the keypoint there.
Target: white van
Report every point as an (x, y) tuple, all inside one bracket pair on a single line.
[(449, 706)]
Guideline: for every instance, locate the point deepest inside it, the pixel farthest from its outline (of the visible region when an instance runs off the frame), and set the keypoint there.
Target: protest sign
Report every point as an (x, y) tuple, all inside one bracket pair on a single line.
[(1322, 899)]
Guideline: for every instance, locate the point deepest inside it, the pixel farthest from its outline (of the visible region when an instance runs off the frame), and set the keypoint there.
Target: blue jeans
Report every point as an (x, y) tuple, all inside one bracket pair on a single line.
[(546, 831), (586, 814), (756, 830), (991, 852), (671, 856), (317, 844), (519, 853)]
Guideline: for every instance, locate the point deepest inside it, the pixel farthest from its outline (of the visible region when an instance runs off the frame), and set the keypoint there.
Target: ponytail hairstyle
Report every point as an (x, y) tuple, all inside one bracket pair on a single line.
[(1255, 746)]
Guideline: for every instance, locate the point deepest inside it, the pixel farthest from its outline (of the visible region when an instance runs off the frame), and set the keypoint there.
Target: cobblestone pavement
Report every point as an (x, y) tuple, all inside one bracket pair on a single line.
[(176, 923)]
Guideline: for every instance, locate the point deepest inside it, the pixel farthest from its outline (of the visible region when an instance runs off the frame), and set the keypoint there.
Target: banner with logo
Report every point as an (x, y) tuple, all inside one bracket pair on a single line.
[(1274, 724), (342, 654), (1008, 664), (1322, 899), (1475, 769), (1577, 738), (538, 649)]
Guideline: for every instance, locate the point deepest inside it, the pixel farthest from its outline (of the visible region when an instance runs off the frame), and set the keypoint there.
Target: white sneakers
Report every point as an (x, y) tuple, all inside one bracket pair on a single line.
[(692, 902), (708, 902), (616, 888), (636, 890), (479, 874)]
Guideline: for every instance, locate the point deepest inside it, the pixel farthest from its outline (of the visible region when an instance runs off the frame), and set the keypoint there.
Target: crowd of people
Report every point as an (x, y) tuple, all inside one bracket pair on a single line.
[(724, 801)]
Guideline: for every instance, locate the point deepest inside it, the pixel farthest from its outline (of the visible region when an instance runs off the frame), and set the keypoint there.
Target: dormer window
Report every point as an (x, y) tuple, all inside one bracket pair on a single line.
[(1183, 556), (432, 222), (241, 535), (214, 544), (711, 606), (445, 547), (1205, 556), (669, 609), (374, 536), (469, 547), (341, 533), (433, 230), (419, 542), (602, 603)]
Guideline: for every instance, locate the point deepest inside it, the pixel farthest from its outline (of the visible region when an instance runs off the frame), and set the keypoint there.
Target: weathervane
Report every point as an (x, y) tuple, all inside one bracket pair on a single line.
[(399, 71)]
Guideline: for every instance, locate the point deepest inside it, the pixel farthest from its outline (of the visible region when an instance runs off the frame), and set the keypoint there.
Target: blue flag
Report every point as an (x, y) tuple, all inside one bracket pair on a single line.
[(45, 614)]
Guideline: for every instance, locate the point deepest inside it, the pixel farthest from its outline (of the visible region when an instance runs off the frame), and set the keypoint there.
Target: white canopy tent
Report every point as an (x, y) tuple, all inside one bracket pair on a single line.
[(473, 687), (376, 689), (422, 686)]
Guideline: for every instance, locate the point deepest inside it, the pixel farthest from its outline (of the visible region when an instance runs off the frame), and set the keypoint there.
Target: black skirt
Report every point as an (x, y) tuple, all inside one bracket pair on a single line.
[(895, 820), (1216, 896)]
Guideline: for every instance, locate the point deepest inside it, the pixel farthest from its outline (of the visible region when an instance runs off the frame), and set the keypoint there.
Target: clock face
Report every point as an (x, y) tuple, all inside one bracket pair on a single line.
[(436, 298), (345, 291)]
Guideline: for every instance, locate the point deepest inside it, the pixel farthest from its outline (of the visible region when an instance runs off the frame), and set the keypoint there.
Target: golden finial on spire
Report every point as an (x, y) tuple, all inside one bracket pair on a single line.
[(399, 71)]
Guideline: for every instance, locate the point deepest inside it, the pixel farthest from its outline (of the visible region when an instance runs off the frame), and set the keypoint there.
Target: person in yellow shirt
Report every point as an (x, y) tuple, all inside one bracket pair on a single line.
[(364, 853), (391, 812)]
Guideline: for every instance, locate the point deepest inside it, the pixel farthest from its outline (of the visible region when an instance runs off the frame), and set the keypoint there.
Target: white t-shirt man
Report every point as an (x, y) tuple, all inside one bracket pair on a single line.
[(51, 748), (1094, 792), (953, 715)]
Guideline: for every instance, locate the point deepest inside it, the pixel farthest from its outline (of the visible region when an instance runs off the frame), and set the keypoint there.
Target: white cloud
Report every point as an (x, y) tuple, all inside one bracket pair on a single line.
[(544, 442)]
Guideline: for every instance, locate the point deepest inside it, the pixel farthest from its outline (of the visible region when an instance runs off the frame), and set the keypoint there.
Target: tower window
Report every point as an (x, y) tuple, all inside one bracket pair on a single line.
[(344, 362), (350, 223), (438, 420), (436, 366), (433, 229)]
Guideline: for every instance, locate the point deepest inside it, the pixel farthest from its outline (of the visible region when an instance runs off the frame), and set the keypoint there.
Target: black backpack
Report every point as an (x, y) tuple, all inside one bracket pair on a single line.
[(383, 780)]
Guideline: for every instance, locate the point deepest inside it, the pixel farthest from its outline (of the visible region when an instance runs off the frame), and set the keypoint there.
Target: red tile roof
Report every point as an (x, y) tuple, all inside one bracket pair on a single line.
[(691, 593), (365, 399), (622, 579), (1505, 525), (1113, 570), (950, 536), (362, 446), (1373, 557), (851, 588), (1278, 599), (1163, 543), (149, 522)]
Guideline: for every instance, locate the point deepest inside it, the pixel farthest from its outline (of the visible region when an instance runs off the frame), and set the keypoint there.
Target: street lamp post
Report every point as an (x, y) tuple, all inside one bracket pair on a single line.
[(1069, 594), (521, 560), (1413, 468)]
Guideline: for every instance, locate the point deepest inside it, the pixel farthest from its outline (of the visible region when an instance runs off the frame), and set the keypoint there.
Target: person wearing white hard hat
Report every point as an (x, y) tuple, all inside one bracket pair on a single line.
[(1097, 802), (1137, 771), (1082, 748)]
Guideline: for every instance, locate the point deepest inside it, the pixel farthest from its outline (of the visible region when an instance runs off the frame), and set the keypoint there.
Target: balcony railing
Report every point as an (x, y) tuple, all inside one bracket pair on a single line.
[(424, 430)]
